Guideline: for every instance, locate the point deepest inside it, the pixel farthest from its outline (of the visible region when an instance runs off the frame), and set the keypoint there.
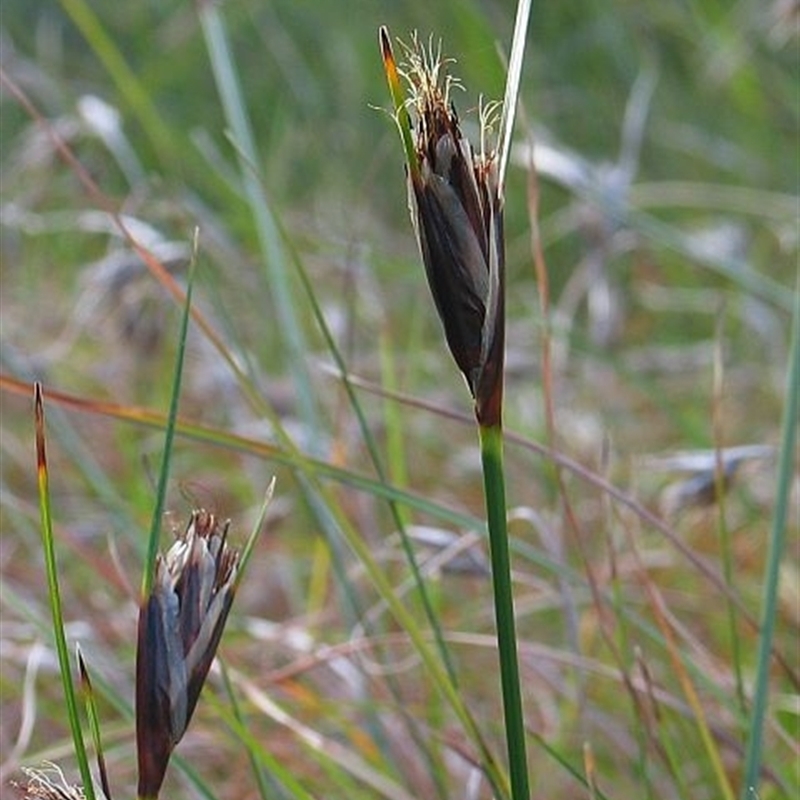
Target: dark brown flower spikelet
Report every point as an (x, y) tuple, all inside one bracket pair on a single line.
[(180, 626), (457, 210)]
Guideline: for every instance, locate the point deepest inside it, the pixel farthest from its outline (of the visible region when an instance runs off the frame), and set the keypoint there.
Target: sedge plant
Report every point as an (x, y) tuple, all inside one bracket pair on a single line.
[(187, 594), (456, 202)]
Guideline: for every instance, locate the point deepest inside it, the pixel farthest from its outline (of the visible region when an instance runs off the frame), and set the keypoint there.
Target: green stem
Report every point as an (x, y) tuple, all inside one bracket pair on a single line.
[(169, 437), (494, 484), (777, 542), (54, 596)]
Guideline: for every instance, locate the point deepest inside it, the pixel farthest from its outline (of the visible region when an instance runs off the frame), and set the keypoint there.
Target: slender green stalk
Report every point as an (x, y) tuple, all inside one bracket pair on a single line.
[(54, 595), (755, 742), (494, 484), (169, 437), (148, 576)]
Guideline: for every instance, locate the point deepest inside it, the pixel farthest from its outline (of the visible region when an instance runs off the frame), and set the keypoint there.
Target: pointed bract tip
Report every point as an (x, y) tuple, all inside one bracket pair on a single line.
[(38, 414), (389, 64), (386, 44), (82, 668)]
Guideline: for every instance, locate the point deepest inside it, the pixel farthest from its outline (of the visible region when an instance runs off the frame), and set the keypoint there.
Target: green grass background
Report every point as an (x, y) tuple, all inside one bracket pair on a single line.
[(699, 259)]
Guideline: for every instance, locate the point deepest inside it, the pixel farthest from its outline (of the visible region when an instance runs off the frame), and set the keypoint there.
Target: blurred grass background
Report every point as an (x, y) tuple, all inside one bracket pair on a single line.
[(667, 149)]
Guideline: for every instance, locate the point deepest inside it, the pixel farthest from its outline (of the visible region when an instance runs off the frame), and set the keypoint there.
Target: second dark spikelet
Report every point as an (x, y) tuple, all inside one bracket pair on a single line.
[(457, 211), (180, 625)]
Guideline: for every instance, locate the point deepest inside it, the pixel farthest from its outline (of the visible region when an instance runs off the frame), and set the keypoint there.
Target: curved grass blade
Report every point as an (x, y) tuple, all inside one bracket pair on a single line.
[(54, 596)]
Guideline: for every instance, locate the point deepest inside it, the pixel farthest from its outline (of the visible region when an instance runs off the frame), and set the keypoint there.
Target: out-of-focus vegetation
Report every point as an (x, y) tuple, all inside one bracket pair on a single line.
[(666, 144)]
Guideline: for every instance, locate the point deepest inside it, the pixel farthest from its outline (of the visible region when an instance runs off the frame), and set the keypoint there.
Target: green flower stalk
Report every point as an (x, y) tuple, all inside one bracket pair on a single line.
[(456, 204), (180, 626)]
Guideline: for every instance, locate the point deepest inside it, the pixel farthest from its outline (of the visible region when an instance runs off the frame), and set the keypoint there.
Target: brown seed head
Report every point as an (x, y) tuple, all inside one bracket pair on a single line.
[(457, 211), (180, 625)]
